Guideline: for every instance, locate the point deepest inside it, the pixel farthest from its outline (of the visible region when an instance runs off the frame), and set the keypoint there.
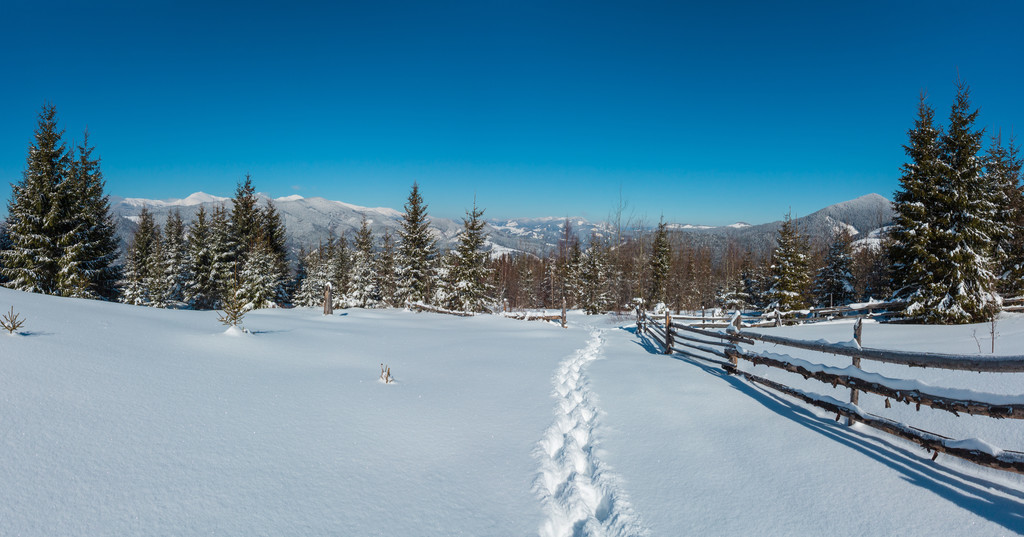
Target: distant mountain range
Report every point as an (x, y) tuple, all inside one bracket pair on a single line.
[(310, 221)]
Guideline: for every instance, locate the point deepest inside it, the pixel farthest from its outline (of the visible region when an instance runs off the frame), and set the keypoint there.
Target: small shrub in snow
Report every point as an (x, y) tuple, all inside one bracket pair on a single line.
[(11, 322), (385, 374), (234, 308)]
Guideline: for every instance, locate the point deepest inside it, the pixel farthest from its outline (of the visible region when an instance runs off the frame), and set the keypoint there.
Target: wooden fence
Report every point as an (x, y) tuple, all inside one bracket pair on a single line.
[(679, 335)]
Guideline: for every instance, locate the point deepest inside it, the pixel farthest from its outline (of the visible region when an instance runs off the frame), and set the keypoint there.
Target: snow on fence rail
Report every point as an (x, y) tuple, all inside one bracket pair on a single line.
[(723, 348)]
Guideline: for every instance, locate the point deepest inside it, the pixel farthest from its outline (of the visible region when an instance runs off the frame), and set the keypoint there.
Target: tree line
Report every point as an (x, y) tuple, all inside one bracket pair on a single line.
[(953, 250)]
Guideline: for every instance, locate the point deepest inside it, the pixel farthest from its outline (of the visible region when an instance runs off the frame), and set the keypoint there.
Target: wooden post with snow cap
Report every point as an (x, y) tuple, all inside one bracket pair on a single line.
[(668, 332), (858, 330), (564, 324), (328, 302)]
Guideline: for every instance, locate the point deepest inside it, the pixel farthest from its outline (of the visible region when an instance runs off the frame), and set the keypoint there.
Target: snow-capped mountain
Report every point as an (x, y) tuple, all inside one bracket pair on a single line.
[(310, 221)]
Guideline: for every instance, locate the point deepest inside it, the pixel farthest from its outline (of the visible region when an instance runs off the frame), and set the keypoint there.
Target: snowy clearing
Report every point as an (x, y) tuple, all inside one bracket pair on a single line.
[(123, 420)]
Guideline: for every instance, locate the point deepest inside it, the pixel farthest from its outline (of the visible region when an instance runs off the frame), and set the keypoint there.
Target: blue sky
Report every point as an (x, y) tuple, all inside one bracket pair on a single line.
[(706, 114)]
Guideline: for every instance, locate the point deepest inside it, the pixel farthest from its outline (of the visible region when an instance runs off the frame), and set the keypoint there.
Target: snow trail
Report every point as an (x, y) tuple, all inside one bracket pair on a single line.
[(581, 497)]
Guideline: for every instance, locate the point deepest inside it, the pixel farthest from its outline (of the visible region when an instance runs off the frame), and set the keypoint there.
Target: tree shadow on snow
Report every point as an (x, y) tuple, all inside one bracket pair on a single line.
[(990, 500)]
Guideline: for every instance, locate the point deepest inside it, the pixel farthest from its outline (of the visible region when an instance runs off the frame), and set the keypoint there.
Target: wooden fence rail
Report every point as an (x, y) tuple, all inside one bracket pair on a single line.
[(697, 341)]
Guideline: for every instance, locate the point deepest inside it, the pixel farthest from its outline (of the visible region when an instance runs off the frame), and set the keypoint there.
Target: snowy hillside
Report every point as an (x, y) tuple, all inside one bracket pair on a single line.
[(123, 420)]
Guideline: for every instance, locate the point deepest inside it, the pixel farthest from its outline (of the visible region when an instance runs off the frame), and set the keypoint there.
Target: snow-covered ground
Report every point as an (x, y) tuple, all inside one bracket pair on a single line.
[(122, 420)]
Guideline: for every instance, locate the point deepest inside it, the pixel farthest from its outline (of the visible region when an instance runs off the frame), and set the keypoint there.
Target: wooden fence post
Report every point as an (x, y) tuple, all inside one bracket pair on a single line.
[(564, 325), (328, 302), (778, 317), (858, 330), (668, 332)]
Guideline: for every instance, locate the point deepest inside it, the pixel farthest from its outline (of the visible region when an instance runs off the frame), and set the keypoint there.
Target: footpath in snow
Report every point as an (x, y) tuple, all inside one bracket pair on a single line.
[(581, 496)]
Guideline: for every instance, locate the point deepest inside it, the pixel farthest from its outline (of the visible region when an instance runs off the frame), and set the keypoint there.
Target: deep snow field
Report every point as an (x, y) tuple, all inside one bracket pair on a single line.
[(123, 420)]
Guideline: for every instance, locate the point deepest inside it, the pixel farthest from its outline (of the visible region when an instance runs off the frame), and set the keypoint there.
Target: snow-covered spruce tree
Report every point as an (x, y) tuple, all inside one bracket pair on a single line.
[(660, 264), (35, 211), (386, 271), (176, 267), (914, 254), (733, 296), (416, 252), (201, 290), (101, 246), (318, 274), (566, 283), (341, 270), (963, 288), (443, 291), (472, 278), (246, 219), (275, 234), (363, 290), (833, 285), (5, 244), (790, 273), (595, 293), (258, 282), (1003, 167), (143, 275), (222, 246)]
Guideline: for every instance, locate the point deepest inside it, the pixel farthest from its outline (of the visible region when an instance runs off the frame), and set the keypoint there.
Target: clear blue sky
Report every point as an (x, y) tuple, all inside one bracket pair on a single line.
[(702, 113)]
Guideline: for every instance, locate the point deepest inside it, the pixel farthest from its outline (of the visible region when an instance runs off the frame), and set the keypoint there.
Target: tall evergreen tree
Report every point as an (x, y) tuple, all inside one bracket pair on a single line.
[(417, 251), (790, 276), (223, 247), (318, 264), (275, 236), (340, 268), (472, 275), (258, 283), (660, 263), (175, 262), (100, 245), (246, 219), (36, 211), (386, 270), (363, 291), (914, 254), (143, 272), (1003, 167), (202, 289), (963, 288), (834, 283), (595, 294)]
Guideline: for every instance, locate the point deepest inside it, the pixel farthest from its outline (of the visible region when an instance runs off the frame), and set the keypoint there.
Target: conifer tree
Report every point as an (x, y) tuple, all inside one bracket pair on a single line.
[(834, 282), (246, 219), (222, 247), (36, 211), (444, 290), (317, 265), (417, 251), (175, 262), (914, 254), (963, 287), (340, 269), (275, 236), (595, 294), (1003, 167), (363, 290), (790, 277), (258, 282), (143, 274), (471, 275), (99, 243), (660, 264), (386, 273), (202, 289)]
